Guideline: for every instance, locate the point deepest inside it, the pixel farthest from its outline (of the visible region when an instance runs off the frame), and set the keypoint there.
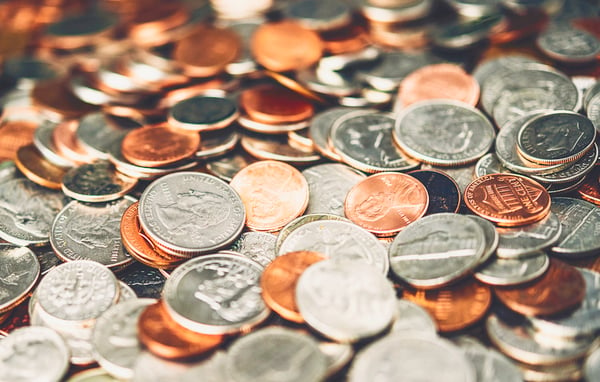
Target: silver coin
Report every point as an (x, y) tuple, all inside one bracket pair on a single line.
[(96, 133), (574, 171), (33, 353), (490, 234), (593, 111), (218, 142), (96, 182), (474, 8), (443, 132), (328, 81), (19, 271), (517, 242), (320, 127), (556, 137), (463, 175), (394, 12), (337, 355), (339, 240), (522, 101), (590, 93), (226, 167), (412, 357), (490, 365), (579, 220), (191, 213), (27, 211), (213, 369), (498, 66), (568, 44), (257, 246), (126, 292), (270, 128), (299, 222), (244, 63), (518, 343), (43, 141), (8, 171), (275, 354), (592, 366), (463, 34), (150, 368), (77, 291), (203, 113), (320, 15), (328, 185), (115, 339), (91, 232), (556, 189), (145, 281), (363, 140), (490, 164), (339, 62), (277, 147), (436, 250), (412, 318), (47, 258), (216, 294), (97, 374), (584, 320), (499, 271), (345, 300)]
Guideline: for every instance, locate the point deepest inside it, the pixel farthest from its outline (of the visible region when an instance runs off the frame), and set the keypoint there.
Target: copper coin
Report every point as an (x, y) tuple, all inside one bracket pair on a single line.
[(159, 145), (435, 81), (275, 105), (387, 202), (560, 289), (294, 86), (64, 137), (167, 339), (456, 307), (55, 98), (279, 279), (15, 134), (274, 193), (207, 51), (37, 169), (508, 200), (348, 39), (590, 188), (156, 18), (286, 45)]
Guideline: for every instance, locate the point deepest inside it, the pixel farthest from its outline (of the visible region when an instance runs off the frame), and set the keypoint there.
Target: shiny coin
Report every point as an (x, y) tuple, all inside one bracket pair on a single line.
[(325, 290), (273, 193), (275, 105), (189, 213), (299, 222), (578, 220), (96, 182), (560, 289), (203, 113), (444, 193), (436, 250), (83, 231), (411, 317), (499, 271), (19, 271), (386, 203), (257, 246), (225, 291), (426, 132), (36, 168), (96, 132), (517, 242), (508, 200), (27, 211)]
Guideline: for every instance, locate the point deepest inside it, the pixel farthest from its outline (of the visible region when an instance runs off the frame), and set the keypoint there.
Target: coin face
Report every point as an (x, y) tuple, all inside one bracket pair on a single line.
[(578, 220), (96, 182), (202, 113), (444, 193), (19, 270), (275, 105)]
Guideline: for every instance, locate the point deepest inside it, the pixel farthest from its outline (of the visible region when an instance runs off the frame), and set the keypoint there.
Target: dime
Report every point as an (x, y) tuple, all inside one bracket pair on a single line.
[(320, 15), (454, 308), (202, 113), (275, 105), (37, 169), (411, 317), (507, 200), (437, 250), (217, 143), (19, 272), (226, 167), (27, 211), (96, 182), (189, 213), (273, 193), (386, 203), (463, 175), (299, 222), (518, 242), (320, 126), (345, 300), (578, 221), (560, 289), (513, 271), (257, 246), (444, 193), (91, 232), (225, 292), (569, 44), (443, 132), (279, 279)]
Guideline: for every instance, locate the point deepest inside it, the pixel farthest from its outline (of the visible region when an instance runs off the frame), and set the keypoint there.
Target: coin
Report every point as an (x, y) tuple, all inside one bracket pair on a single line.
[(54, 98), (96, 182), (257, 246), (569, 44), (513, 271), (275, 105), (64, 137), (589, 190), (39, 170), (15, 134), (578, 219), (277, 148), (517, 242), (411, 318), (42, 140), (19, 270), (96, 132), (444, 193), (202, 113)]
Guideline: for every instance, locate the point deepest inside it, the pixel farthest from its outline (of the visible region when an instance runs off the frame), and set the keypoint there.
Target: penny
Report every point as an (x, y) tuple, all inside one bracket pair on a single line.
[(19, 270), (347, 39), (279, 279), (202, 113), (285, 45), (435, 81), (295, 86), (454, 308), (275, 105), (515, 271), (386, 203), (273, 193), (444, 193), (207, 51), (37, 169), (589, 190), (159, 145), (96, 182), (54, 98), (507, 200), (15, 134), (578, 220), (560, 289), (166, 338), (76, 31), (64, 137)]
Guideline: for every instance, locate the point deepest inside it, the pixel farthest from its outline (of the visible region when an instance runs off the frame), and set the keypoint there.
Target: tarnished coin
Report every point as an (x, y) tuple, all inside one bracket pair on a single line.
[(96, 182), (386, 203), (257, 246), (190, 212), (463, 175), (363, 140), (443, 132), (568, 44), (338, 240), (225, 292), (345, 300), (115, 340), (579, 221), (320, 15), (410, 357), (91, 232), (19, 272), (444, 193), (516, 242), (436, 250), (217, 142), (145, 281), (27, 211), (47, 258), (508, 199), (276, 354), (273, 193), (328, 185), (33, 343), (202, 113), (513, 271), (411, 317)]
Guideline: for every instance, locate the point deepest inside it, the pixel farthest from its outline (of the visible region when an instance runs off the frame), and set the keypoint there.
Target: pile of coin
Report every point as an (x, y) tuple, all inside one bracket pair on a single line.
[(301, 191)]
